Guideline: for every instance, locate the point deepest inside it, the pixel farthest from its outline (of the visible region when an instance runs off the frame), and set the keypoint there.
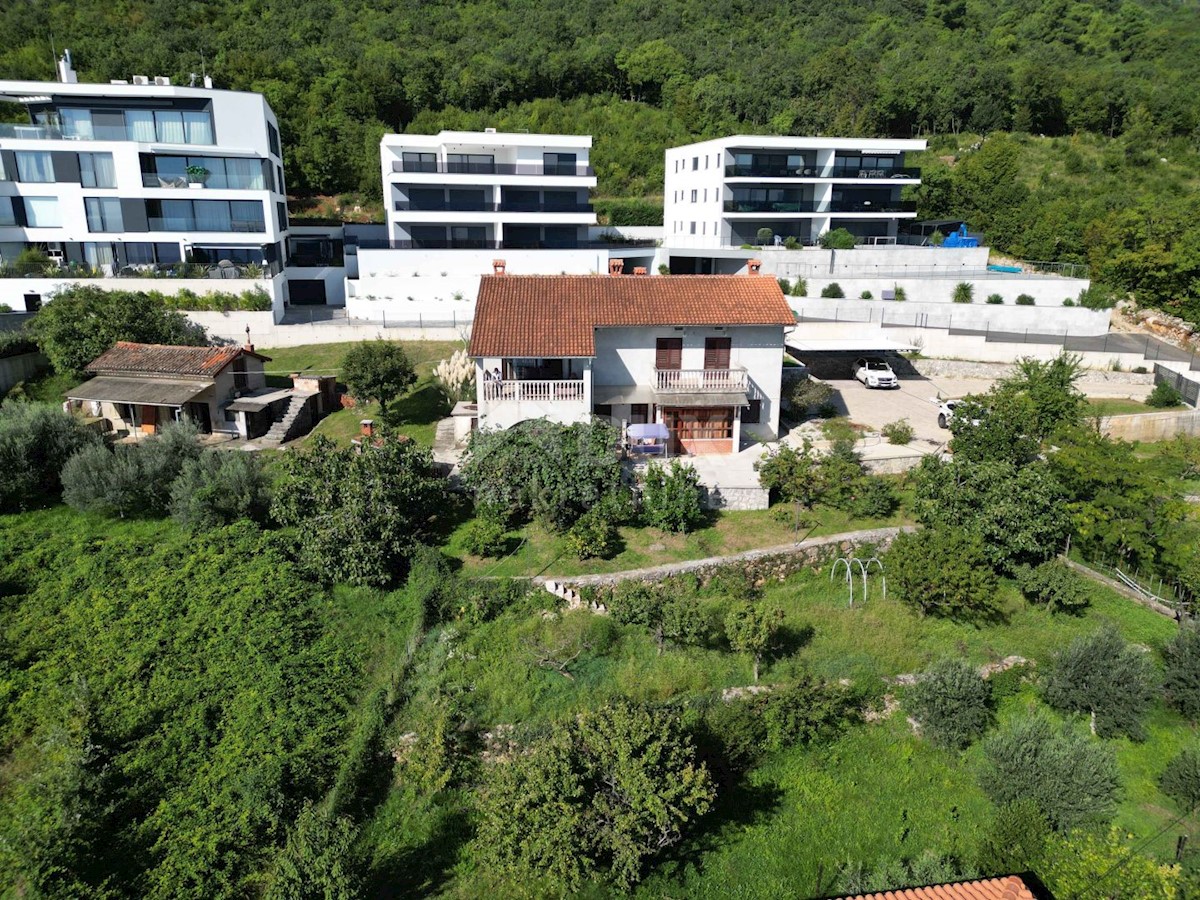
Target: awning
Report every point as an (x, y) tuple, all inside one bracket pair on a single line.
[(868, 344), (656, 430), (691, 401), (610, 394), (146, 391)]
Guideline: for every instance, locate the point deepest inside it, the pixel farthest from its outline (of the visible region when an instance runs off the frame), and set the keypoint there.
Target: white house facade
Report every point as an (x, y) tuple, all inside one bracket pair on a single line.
[(700, 355), (723, 193), (139, 179)]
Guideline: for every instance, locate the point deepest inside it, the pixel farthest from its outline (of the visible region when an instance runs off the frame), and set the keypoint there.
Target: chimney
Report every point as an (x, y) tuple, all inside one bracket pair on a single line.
[(208, 82), (616, 266), (367, 428), (248, 346), (66, 72), (498, 267), (754, 266), (639, 270)]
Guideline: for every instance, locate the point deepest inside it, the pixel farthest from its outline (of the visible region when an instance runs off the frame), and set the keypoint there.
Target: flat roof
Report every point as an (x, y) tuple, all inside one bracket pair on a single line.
[(19, 91), (846, 345), (487, 139), (804, 142), (142, 391)]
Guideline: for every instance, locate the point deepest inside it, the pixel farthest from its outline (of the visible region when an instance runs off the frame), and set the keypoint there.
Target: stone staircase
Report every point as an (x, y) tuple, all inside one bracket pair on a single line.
[(281, 429)]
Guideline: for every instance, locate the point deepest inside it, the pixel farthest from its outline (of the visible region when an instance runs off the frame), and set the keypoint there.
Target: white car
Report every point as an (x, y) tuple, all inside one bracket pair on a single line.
[(875, 372), (946, 413)]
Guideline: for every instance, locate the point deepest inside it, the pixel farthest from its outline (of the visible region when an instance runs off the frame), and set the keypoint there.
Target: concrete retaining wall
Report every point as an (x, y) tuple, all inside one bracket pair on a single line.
[(13, 290), (1046, 290), (1151, 426), (265, 332), (957, 368), (978, 316), (19, 368)]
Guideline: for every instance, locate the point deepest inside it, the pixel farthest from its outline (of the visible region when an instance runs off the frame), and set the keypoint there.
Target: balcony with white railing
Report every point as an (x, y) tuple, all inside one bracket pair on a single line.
[(534, 391), (700, 381)]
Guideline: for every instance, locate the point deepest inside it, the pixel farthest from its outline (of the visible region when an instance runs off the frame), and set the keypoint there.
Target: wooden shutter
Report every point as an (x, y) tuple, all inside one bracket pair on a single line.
[(716, 353), (668, 353)]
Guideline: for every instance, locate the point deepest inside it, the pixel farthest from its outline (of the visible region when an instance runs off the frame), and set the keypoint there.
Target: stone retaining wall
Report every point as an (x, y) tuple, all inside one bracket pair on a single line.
[(739, 498), (765, 564)]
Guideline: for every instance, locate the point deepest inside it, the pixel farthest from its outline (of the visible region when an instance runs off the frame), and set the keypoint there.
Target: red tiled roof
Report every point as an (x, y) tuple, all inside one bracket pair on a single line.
[(128, 358), (556, 315), (1008, 888)]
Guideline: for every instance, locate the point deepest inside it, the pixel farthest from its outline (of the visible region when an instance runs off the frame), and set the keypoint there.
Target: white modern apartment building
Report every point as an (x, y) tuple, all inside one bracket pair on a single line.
[(722, 193), (138, 179), (487, 190)]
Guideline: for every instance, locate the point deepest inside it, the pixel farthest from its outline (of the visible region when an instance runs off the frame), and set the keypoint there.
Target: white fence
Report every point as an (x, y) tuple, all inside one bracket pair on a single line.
[(534, 391)]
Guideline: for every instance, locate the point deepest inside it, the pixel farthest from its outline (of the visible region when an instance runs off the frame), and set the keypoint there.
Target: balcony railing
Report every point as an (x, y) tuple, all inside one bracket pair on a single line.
[(179, 223), (534, 391), (770, 206), (883, 206), (443, 244), (460, 206), (452, 168), (700, 381), (215, 182), (735, 171)]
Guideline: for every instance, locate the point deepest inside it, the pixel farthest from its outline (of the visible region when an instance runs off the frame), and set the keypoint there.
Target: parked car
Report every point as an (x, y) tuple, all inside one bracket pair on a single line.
[(875, 372), (946, 413)]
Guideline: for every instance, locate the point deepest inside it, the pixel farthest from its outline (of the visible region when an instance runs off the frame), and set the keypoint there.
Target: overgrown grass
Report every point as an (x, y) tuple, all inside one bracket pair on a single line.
[(1123, 406)]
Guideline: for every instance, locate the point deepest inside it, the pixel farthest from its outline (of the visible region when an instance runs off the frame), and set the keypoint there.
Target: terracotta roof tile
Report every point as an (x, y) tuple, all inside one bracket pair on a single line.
[(556, 315), (1010, 887), (128, 358)]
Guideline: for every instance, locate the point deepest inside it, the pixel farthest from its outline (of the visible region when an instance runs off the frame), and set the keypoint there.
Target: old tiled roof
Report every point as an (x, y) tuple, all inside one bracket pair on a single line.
[(1008, 888), (128, 358), (556, 315)]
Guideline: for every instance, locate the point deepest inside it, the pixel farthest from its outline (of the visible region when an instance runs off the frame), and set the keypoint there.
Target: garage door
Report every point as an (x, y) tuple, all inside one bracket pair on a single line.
[(306, 291)]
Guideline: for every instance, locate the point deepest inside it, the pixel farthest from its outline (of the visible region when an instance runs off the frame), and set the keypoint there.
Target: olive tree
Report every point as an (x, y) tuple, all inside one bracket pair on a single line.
[(1181, 675), (953, 703), (753, 630), (1105, 678)]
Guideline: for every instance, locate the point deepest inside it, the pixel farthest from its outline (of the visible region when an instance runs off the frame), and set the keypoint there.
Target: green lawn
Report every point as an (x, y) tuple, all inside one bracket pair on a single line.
[(536, 551), (1123, 406), (415, 414)]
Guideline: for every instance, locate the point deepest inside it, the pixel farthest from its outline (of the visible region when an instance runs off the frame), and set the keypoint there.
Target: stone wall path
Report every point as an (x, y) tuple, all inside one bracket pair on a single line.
[(800, 548)]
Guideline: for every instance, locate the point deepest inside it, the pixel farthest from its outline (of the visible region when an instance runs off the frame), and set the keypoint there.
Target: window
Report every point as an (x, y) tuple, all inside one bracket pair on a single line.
[(706, 160), (96, 170), (77, 123), (752, 414), (7, 216), (559, 163), (97, 255), (279, 178), (704, 228), (417, 162), (273, 139), (138, 126), (602, 409), (639, 413), (695, 163), (197, 128), (3, 172), (103, 213), (668, 353), (168, 126), (247, 215), (205, 215), (42, 212), (34, 166), (281, 215), (470, 163), (695, 194), (693, 228), (716, 352)]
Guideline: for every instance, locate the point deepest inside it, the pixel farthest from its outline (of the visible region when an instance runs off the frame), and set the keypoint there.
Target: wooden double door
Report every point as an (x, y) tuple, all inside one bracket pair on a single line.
[(699, 430)]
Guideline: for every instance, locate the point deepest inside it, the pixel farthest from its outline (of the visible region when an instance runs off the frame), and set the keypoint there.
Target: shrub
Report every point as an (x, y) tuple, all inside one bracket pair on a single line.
[(36, 440), (670, 615), (791, 242), (593, 535), (1015, 840), (900, 293), (1067, 301), (218, 488), (790, 474), (1181, 671), (1072, 779), (800, 288), (827, 410), (485, 537), (1181, 779), (942, 572), (1164, 395), (865, 295), (1140, 370), (964, 292), (671, 497), (837, 239), (1053, 585), (898, 432), (664, 269), (937, 238), (803, 394), (593, 799), (1024, 300), (953, 703), (753, 630), (1091, 864), (1098, 296), (632, 212), (764, 236), (377, 370), (995, 299), (785, 285), (833, 289), (1103, 676)]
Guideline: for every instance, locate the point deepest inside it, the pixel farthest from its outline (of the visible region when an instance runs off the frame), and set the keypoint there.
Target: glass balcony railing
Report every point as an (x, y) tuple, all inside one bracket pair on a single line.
[(452, 206), (899, 172), (766, 171), (182, 223), (870, 206), (449, 168), (213, 181), (771, 206)]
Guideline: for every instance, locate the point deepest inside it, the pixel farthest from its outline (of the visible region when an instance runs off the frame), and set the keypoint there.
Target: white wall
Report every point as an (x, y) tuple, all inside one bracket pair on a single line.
[(333, 276), (13, 290), (625, 356), (399, 299), (265, 332), (871, 260), (977, 316), (1047, 291)]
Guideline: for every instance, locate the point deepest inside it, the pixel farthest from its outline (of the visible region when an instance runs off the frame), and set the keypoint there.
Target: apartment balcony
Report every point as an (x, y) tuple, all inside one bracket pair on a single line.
[(743, 171), (700, 381), (502, 245), (571, 391), (212, 182), (866, 206), (771, 206), (407, 206), (531, 169)]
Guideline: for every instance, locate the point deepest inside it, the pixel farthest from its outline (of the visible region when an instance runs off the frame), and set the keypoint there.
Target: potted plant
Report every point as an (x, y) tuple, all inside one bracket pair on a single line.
[(196, 176)]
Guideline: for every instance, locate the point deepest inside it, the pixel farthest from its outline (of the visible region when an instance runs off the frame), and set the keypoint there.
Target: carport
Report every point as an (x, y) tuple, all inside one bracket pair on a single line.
[(831, 358)]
